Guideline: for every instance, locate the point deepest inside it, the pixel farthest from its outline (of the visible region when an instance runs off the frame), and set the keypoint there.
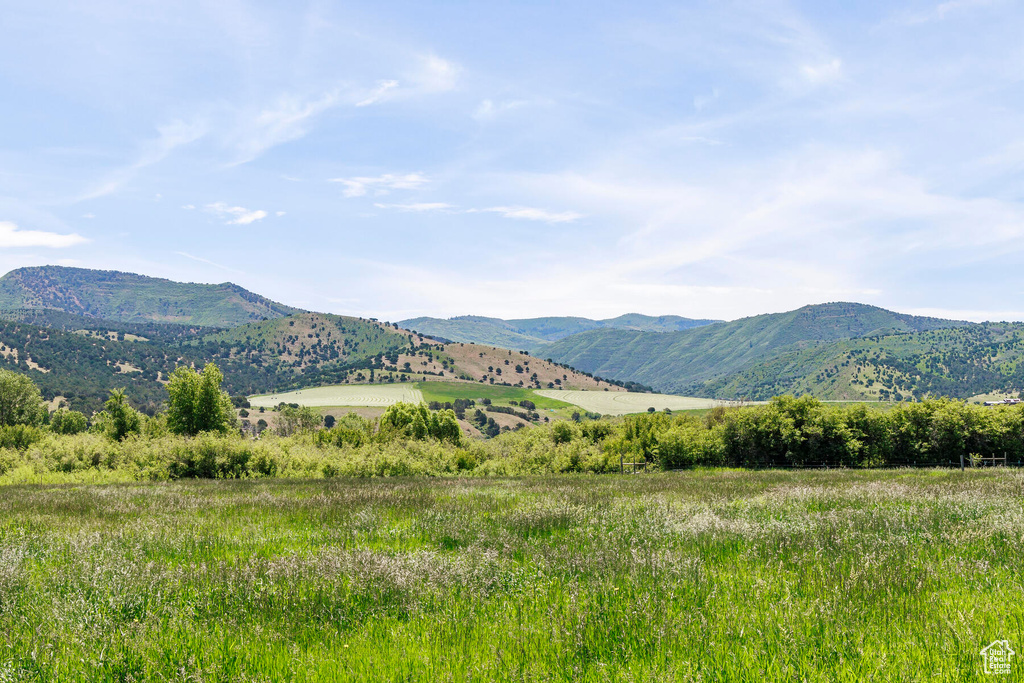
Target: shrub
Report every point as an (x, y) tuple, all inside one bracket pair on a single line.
[(196, 403), (65, 421), (415, 421), (19, 436), (563, 432), (118, 419), (688, 444)]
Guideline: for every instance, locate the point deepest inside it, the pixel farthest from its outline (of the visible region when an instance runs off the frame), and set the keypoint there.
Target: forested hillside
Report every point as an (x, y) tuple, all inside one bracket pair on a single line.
[(127, 297), (959, 362), (533, 334), (687, 361), (301, 350), (113, 329)]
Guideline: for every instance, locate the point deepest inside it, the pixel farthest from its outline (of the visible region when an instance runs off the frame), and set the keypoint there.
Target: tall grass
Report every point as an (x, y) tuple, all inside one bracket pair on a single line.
[(709, 575)]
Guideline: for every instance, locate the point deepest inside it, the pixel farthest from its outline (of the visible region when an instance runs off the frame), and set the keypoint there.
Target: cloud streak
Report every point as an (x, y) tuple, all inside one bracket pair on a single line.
[(235, 215), (288, 118), (170, 137), (382, 184), (200, 259), (418, 207), (378, 93), (528, 213)]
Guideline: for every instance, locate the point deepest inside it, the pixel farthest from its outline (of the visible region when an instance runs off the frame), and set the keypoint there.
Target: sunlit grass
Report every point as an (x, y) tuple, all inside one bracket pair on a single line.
[(710, 575)]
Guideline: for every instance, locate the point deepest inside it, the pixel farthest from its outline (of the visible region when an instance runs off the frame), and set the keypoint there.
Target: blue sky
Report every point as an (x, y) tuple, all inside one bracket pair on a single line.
[(518, 159)]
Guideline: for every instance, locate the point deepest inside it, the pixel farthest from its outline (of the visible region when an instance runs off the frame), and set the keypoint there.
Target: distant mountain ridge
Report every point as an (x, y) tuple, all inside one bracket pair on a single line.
[(686, 361), (535, 333), (128, 297), (81, 332)]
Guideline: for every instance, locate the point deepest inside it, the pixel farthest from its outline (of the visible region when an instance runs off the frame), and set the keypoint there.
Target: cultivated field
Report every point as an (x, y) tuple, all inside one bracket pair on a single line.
[(702, 576), (499, 395), (623, 403), (343, 395)]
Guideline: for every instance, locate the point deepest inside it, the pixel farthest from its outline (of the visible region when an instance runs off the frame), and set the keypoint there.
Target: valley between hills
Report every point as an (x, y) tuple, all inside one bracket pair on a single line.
[(80, 333)]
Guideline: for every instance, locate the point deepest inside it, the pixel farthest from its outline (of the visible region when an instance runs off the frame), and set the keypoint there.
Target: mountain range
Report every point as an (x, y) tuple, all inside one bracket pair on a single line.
[(127, 297), (534, 334), (693, 361), (81, 332)]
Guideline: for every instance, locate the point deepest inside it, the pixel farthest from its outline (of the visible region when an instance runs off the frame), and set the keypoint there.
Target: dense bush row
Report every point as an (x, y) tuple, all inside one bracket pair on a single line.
[(787, 432), (803, 432)]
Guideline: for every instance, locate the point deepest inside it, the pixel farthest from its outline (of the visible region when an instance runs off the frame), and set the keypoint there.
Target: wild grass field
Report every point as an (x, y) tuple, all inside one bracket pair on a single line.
[(343, 395), (623, 403), (710, 575)]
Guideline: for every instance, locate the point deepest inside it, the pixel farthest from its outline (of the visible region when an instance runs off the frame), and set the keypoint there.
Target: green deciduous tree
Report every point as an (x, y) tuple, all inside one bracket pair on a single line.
[(66, 421), (196, 402), (118, 418), (20, 400), (414, 420), (298, 420)]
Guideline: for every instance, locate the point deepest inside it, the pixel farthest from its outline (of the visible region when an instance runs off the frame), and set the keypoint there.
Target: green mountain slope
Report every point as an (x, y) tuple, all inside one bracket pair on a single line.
[(301, 350), (683, 362), (536, 333), (472, 329), (69, 322), (959, 362), (127, 297)]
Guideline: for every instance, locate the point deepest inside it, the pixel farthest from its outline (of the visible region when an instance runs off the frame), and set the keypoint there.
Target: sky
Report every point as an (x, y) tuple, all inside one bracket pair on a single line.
[(520, 159)]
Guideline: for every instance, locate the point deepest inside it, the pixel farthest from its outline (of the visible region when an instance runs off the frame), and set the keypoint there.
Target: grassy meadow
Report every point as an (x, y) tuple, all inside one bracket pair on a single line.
[(707, 575), (377, 395), (625, 403), (500, 395)]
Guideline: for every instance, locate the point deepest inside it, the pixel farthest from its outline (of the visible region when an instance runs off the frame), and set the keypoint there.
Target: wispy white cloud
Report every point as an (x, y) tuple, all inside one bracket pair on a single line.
[(517, 212), (378, 93), (820, 74), (433, 74), (429, 74), (530, 213), (235, 215), (418, 207), (942, 10), (814, 225), (488, 109), (170, 136), (288, 118), (12, 237), (382, 184), (200, 259)]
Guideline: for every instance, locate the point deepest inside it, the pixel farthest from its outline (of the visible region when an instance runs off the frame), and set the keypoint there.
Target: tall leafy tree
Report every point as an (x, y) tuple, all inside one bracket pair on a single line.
[(196, 402), (20, 400), (119, 419), (414, 420)]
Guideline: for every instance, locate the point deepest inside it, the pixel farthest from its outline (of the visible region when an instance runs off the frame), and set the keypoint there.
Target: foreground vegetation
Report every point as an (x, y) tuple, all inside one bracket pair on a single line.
[(700, 576), (200, 436)]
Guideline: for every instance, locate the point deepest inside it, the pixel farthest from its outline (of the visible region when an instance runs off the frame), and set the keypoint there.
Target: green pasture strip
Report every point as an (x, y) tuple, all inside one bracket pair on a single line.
[(449, 391), (710, 575), (872, 405)]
